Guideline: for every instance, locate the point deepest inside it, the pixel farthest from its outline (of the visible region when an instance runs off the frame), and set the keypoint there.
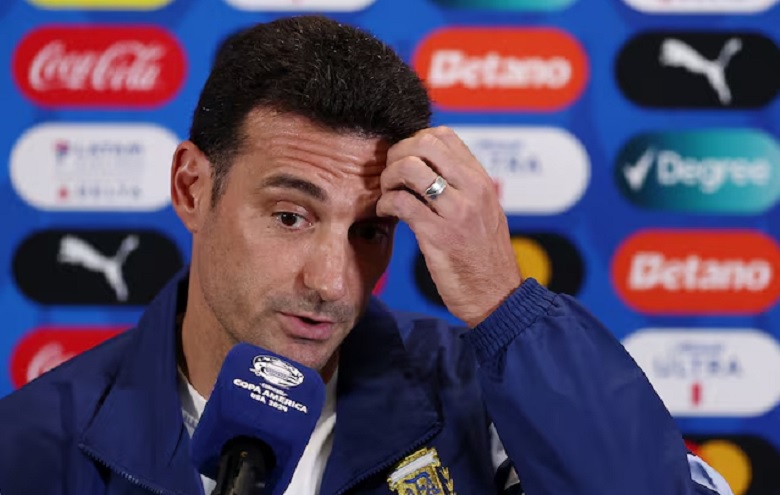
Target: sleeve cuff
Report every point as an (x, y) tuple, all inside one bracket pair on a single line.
[(510, 319)]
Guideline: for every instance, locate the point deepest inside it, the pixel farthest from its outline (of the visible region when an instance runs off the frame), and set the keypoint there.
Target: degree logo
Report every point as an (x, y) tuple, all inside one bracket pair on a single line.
[(734, 171)]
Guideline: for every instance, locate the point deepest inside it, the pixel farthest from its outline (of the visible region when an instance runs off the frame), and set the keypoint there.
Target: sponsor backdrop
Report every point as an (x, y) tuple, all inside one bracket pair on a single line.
[(634, 146)]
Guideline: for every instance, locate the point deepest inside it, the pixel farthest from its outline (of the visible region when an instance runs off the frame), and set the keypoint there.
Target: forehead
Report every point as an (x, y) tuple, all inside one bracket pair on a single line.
[(283, 139)]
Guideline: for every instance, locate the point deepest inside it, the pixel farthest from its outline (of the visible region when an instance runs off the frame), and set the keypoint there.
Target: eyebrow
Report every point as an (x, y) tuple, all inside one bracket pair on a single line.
[(287, 181)]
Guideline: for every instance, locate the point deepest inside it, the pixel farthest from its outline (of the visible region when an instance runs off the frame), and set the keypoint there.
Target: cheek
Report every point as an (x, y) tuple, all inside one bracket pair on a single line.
[(228, 251)]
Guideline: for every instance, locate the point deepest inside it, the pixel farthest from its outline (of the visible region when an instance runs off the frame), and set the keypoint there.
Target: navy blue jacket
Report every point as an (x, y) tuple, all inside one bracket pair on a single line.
[(574, 412)]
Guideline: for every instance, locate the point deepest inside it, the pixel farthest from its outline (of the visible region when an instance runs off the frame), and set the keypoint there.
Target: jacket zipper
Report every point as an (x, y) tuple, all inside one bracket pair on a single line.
[(419, 443), (129, 477)]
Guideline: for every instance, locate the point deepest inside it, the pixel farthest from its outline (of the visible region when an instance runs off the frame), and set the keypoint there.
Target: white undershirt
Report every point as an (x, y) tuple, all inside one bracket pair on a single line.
[(308, 474)]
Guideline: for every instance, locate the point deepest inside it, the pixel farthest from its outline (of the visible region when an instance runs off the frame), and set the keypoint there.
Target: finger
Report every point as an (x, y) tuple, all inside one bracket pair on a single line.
[(455, 143), (451, 138), (413, 174), (410, 172), (439, 156), (403, 205)]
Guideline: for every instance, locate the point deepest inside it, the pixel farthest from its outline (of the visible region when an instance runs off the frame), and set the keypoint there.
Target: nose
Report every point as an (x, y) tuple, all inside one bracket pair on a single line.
[(329, 266)]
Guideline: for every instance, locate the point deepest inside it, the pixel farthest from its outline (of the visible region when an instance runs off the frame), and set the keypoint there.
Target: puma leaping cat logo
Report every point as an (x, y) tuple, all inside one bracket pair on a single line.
[(78, 252), (676, 53)]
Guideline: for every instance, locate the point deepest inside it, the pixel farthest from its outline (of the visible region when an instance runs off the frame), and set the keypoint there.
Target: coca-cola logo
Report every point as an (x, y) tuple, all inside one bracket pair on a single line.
[(45, 348), (117, 66)]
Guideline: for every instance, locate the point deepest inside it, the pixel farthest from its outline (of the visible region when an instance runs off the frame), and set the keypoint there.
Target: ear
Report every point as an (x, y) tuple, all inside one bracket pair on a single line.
[(191, 179)]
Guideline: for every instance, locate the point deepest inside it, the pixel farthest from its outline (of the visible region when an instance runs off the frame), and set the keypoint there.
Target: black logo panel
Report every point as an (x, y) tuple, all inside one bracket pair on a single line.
[(94, 267), (699, 70)]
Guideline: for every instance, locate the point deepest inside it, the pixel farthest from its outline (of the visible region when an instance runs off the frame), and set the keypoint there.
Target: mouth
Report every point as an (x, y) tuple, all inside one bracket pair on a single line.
[(308, 327)]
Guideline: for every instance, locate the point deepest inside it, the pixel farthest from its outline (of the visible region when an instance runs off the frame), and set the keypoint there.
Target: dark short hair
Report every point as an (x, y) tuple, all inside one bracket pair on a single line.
[(335, 75)]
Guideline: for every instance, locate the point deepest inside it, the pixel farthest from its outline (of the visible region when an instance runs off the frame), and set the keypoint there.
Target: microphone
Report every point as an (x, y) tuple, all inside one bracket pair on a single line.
[(257, 422)]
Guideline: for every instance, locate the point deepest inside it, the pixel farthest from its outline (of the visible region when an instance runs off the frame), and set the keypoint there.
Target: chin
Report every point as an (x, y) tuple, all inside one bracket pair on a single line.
[(316, 363), (308, 354)]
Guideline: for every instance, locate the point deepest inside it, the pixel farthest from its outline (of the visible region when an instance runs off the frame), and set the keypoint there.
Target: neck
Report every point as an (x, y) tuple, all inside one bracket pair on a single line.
[(203, 346)]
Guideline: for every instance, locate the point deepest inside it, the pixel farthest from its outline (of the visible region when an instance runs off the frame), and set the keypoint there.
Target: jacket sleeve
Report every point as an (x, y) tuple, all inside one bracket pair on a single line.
[(575, 413)]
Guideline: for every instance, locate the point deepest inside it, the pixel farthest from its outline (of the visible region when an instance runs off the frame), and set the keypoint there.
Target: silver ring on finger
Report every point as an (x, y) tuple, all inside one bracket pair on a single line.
[(435, 189)]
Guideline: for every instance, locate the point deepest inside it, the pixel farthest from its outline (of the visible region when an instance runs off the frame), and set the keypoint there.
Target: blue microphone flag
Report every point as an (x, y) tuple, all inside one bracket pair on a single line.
[(261, 395)]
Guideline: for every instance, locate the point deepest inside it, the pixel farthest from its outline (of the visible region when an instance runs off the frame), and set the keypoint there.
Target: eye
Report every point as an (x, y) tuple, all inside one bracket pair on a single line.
[(290, 220), (371, 232)]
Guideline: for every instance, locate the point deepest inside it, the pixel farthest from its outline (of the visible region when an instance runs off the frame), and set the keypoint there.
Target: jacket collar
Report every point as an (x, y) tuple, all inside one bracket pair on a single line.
[(138, 429), (382, 410)]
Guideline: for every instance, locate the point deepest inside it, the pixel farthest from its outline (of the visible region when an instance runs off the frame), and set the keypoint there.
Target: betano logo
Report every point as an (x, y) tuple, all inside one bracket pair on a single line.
[(747, 463), (298, 5), (710, 171), (101, 4), (709, 372), (502, 69), (549, 258), (508, 4), (99, 66), (698, 272), (537, 170), (47, 347)]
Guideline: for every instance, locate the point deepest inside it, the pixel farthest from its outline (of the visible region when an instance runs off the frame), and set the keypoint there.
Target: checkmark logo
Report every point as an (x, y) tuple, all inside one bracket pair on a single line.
[(691, 171), (636, 173)]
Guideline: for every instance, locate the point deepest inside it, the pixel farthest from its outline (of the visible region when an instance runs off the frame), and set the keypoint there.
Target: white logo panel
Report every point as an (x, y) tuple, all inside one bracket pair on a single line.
[(301, 5), (91, 167), (710, 372), (537, 170), (701, 6)]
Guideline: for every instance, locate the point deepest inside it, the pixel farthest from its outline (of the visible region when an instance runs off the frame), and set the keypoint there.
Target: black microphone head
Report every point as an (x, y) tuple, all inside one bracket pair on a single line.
[(263, 396)]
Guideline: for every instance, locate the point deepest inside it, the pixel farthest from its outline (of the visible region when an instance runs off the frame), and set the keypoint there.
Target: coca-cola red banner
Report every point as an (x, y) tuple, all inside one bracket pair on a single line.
[(99, 66), (44, 348)]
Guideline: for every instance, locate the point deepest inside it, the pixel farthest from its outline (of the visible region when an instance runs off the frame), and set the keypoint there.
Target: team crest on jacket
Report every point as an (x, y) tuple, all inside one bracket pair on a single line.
[(421, 474)]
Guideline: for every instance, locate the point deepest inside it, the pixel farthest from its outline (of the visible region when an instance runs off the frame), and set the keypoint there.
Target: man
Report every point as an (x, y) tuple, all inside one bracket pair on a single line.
[(309, 142)]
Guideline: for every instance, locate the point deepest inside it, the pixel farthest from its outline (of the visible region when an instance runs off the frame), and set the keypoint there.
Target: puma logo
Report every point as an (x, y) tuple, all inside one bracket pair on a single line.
[(676, 53), (78, 252)]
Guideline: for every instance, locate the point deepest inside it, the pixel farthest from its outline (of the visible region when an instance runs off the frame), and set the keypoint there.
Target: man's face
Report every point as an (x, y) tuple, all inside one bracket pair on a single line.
[(288, 257)]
